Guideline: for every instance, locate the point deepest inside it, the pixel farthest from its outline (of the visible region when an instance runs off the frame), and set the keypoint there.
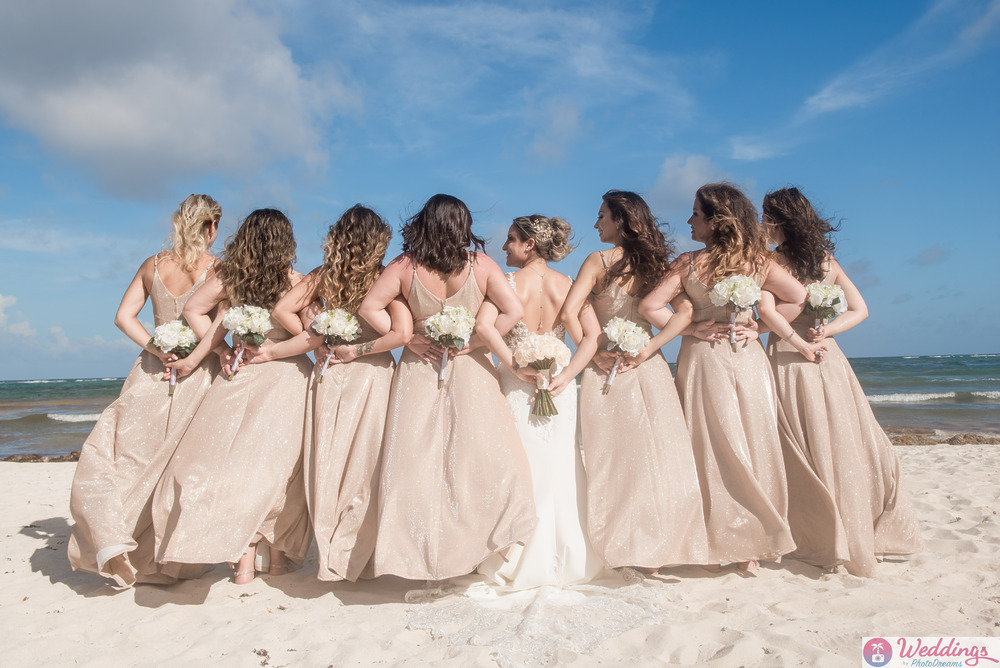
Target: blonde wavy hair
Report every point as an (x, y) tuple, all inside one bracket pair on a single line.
[(737, 240), (258, 258), (352, 257), (188, 243)]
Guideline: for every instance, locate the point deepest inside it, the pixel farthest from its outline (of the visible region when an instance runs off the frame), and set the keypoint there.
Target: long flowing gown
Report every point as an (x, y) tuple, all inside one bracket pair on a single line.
[(558, 553), (731, 412), (643, 501), (236, 475), (455, 483), (345, 418), (848, 502), (125, 454)]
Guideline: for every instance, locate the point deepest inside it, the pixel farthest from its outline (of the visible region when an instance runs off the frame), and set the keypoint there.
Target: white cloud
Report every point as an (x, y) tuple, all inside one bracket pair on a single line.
[(679, 179), (140, 94), (753, 148), (22, 328), (947, 34), (5, 303)]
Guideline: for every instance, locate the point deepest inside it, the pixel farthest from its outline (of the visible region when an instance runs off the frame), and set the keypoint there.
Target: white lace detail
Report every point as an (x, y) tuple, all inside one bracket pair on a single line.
[(520, 331)]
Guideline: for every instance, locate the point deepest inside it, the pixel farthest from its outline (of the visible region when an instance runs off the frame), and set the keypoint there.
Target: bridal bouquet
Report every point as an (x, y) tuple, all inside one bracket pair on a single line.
[(451, 326), (738, 293), (541, 352), (250, 323), (177, 338), (825, 301), (625, 338), (339, 327)]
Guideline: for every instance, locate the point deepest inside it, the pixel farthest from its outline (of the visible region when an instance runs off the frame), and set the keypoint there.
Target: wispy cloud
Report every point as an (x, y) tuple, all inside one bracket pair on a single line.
[(931, 255), (22, 328), (141, 94), (679, 179)]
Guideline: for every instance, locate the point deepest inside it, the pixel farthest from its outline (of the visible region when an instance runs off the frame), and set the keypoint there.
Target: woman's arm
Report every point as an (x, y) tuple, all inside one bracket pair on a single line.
[(586, 347), (490, 337), (127, 316), (288, 309), (499, 292), (781, 284), (399, 334), (653, 307), (856, 311)]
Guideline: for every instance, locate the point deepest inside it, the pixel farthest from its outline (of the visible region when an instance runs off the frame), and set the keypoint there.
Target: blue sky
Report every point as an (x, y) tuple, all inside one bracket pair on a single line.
[(885, 114)]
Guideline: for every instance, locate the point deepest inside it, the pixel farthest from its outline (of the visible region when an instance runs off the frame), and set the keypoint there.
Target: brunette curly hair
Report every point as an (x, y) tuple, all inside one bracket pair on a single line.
[(187, 243), (646, 250), (737, 240), (808, 242), (552, 235), (258, 258), (439, 236), (352, 257)]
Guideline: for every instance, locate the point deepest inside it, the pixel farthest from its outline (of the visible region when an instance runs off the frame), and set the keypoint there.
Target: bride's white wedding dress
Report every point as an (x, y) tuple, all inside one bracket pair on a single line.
[(558, 553)]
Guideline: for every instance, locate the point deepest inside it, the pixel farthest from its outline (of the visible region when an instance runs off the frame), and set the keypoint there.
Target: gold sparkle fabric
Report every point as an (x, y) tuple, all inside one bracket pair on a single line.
[(236, 475), (345, 419), (644, 507), (731, 413), (124, 456), (848, 501), (455, 483)]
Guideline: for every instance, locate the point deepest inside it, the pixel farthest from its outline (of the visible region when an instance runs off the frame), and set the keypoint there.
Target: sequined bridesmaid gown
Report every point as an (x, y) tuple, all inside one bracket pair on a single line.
[(731, 412), (848, 501), (455, 484), (125, 454), (643, 501), (236, 475), (558, 553), (345, 417)]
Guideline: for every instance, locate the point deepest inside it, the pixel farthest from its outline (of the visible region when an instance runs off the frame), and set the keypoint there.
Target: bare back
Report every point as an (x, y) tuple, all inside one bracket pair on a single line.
[(542, 297), (174, 277)]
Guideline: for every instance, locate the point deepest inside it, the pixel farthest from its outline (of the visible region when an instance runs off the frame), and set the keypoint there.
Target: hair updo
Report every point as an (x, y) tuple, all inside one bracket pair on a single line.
[(552, 235), (188, 244)]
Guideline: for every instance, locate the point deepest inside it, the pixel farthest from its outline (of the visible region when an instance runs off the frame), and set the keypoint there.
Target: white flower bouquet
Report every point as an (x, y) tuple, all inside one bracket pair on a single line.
[(737, 293), (250, 323), (825, 301), (339, 327), (451, 326), (546, 354), (625, 338), (177, 338)]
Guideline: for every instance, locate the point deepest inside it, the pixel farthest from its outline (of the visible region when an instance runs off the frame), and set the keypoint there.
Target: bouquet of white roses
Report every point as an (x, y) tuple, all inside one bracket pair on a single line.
[(542, 352), (177, 338), (339, 327), (250, 323), (825, 301), (625, 338), (738, 293), (451, 326)]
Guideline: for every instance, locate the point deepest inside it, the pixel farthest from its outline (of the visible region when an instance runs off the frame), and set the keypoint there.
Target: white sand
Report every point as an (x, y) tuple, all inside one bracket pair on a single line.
[(791, 614)]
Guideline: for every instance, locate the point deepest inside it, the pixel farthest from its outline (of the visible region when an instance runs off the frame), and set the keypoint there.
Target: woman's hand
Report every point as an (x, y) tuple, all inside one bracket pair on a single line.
[(709, 330), (424, 349), (816, 334), (605, 359), (527, 374), (748, 331), (344, 353), (560, 382), (258, 355), (640, 356), (811, 351), (183, 367)]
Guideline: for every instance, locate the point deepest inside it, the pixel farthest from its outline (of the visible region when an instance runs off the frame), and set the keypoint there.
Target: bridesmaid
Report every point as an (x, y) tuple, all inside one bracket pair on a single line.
[(132, 442), (346, 407), (643, 502), (728, 396), (848, 503), (558, 553), (455, 484), (235, 482)]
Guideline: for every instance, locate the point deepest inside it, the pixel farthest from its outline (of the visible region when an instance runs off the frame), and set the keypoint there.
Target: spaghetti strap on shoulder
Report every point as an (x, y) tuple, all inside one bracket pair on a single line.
[(603, 261)]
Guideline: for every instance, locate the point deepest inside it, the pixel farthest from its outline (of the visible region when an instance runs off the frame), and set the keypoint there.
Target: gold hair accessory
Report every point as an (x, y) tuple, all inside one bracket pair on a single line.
[(541, 228)]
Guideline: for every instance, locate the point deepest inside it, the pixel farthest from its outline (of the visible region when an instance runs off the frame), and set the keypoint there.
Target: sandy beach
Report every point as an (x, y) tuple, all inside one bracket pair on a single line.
[(789, 614)]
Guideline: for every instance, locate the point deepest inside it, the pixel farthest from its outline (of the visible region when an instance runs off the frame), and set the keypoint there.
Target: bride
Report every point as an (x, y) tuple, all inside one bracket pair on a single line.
[(558, 552)]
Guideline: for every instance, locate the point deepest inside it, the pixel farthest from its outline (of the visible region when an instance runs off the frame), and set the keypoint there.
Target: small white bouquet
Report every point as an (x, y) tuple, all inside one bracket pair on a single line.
[(737, 293), (625, 338), (250, 323), (339, 327), (451, 326), (177, 338), (825, 301), (546, 354)]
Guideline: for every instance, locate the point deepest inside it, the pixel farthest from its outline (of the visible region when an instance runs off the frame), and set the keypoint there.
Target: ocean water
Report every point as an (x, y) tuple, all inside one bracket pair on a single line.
[(954, 393)]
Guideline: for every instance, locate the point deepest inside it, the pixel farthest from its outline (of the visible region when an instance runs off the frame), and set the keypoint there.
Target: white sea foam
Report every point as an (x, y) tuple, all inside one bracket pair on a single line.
[(993, 394), (73, 417), (903, 398)]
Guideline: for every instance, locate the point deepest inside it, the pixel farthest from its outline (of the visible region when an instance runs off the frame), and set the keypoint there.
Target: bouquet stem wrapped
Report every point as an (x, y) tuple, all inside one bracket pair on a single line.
[(451, 326), (339, 327), (625, 338), (824, 302), (177, 338), (250, 323), (546, 354)]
